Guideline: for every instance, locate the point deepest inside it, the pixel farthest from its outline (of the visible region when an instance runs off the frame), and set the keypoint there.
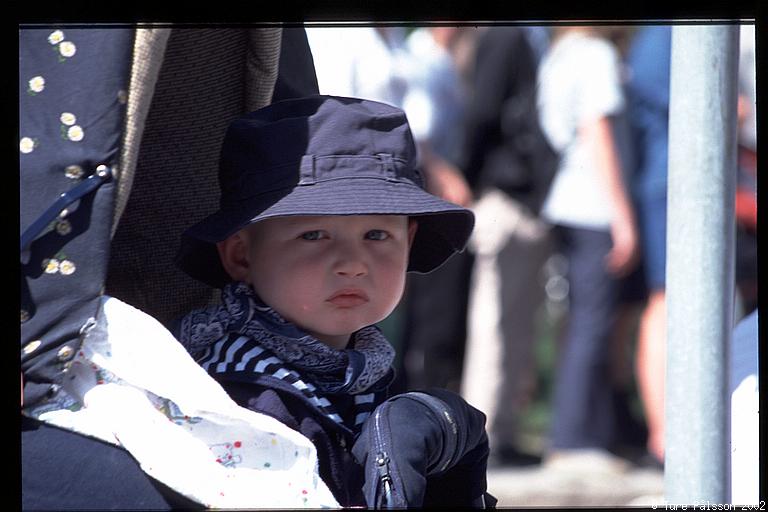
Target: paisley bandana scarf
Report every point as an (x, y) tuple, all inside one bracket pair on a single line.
[(353, 370)]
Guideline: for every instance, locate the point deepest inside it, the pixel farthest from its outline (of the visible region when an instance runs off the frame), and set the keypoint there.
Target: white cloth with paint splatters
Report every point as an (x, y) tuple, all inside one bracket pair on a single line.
[(133, 385)]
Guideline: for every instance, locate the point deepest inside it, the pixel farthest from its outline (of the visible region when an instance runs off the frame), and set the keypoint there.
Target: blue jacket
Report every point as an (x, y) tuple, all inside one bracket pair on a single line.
[(406, 434)]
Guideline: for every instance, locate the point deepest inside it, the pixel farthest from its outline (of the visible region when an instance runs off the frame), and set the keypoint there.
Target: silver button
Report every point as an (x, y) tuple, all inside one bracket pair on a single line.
[(24, 315), (63, 227), (65, 353), (31, 347)]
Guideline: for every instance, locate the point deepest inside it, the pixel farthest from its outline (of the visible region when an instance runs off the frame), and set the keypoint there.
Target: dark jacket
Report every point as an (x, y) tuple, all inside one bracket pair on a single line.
[(275, 398), (64, 470), (411, 439), (505, 147)]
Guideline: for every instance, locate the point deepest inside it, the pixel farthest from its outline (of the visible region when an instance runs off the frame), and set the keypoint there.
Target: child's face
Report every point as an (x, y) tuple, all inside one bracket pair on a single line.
[(330, 275)]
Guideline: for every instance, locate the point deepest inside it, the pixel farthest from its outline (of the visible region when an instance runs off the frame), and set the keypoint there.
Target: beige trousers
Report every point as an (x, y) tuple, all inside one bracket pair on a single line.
[(507, 288)]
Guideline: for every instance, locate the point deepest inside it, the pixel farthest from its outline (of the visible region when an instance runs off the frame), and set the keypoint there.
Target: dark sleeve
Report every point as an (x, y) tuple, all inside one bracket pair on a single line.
[(504, 66), (64, 470)]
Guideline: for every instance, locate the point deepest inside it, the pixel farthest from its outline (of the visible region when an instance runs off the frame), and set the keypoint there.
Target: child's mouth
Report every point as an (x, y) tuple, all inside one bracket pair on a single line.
[(348, 298)]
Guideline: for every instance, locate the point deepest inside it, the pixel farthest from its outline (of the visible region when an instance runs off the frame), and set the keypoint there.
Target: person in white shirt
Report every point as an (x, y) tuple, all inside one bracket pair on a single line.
[(360, 62), (579, 99)]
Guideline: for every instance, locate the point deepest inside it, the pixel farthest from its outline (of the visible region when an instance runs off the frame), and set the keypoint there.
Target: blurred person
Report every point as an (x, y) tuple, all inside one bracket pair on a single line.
[(648, 98), (435, 104), (747, 86), (746, 231), (744, 376), (746, 181), (539, 39), (509, 164), (632, 432), (434, 101), (648, 61), (581, 101), (744, 389), (361, 62)]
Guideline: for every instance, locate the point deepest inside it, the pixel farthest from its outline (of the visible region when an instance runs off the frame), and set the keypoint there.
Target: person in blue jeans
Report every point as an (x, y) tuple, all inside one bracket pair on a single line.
[(323, 212), (581, 104)]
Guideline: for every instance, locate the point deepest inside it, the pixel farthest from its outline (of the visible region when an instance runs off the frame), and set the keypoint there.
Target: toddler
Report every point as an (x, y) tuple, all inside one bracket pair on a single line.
[(322, 213)]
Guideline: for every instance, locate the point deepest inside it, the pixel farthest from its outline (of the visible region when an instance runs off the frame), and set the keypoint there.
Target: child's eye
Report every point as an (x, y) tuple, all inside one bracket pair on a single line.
[(311, 235), (376, 234)]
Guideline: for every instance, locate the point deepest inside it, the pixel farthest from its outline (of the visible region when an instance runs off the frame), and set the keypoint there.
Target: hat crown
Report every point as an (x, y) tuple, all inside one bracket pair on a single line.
[(302, 141), (322, 155)]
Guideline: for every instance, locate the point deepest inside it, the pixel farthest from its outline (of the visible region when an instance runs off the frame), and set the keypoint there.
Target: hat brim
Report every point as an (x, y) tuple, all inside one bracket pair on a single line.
[(444, 227)]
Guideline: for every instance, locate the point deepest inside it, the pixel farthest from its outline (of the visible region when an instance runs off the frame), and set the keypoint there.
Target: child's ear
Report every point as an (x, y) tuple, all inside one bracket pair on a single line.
[(413, 226), (233, 253)]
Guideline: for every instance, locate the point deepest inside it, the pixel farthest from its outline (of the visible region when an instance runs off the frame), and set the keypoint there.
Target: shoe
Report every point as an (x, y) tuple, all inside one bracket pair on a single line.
[(631, 431), (649, 461), (640, 458)]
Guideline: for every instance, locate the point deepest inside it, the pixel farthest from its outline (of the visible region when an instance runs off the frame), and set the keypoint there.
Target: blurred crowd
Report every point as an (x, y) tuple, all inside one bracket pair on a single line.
[(556, 137)]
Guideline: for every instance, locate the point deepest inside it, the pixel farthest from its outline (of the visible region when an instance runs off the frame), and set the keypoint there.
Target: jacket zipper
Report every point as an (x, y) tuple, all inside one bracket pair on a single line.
[(384, 485)]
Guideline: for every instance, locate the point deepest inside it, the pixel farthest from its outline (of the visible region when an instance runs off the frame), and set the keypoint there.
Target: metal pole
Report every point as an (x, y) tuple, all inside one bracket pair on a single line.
[(700, 262)]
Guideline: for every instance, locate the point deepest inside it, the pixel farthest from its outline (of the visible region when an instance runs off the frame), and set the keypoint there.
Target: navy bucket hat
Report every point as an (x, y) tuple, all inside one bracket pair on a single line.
[(322, 155)]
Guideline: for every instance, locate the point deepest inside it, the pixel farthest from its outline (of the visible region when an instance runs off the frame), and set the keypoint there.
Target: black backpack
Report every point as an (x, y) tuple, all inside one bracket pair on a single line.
[(533, 160), (506, 148)]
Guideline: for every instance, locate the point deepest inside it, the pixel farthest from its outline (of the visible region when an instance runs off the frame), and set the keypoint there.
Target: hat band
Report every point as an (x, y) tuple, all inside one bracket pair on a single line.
[(314, 169)]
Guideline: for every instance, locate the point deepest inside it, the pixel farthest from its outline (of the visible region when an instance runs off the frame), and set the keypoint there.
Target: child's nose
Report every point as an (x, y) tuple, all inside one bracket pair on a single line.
[(351, 268), (350, 262)]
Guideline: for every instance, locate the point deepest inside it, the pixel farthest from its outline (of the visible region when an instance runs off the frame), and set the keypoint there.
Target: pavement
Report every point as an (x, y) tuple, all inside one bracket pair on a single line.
[(543, 486)]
